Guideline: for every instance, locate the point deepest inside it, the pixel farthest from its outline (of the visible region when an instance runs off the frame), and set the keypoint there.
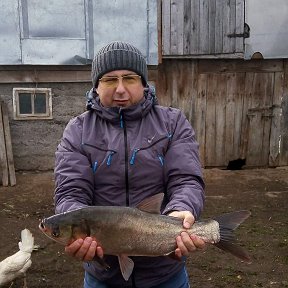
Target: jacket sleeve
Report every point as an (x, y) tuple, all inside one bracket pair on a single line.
[(184, 180), (73, 174)]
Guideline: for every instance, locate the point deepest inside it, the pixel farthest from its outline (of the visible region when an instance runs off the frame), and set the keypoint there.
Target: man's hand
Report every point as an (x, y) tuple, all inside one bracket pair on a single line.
[(186, 243), (84, 250)]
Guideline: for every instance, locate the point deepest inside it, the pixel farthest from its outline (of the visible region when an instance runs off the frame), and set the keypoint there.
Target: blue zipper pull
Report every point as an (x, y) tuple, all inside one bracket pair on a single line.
[(121, 120), (109, 159), (161, 159), (132, 160), (94, 168), (169, 136)]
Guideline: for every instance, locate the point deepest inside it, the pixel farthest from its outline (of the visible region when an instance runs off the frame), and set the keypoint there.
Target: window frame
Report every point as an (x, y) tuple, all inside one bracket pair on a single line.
[(33, 115)]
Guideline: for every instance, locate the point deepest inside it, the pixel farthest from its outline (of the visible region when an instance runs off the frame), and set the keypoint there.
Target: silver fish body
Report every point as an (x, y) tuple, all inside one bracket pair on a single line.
[(140, 231), (123, 230)]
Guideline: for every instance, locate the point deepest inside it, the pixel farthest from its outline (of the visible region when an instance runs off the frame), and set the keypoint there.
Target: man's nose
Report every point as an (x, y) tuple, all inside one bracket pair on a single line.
[(120, 87)]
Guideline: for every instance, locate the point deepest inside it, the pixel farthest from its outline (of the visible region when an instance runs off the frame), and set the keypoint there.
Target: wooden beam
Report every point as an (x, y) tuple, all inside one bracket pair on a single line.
[(234, 66), (8, 143), (3, 157)]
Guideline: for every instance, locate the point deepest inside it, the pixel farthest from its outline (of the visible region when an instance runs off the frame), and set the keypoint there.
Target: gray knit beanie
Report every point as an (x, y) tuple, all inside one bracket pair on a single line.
[(118, 56)]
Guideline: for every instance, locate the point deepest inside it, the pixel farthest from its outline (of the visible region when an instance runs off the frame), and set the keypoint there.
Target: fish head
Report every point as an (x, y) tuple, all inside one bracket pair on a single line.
[(64, 233)]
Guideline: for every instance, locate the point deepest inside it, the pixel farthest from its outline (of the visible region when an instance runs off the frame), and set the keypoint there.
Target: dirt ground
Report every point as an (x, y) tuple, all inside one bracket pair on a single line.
[(265, 234)]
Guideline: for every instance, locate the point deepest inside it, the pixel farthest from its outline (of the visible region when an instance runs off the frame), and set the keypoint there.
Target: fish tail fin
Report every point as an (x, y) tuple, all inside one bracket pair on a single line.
[(228, 223)]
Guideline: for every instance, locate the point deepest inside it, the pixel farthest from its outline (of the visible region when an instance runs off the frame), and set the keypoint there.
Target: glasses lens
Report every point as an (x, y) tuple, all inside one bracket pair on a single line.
[(130, 79), (109, 81), (112, 82)]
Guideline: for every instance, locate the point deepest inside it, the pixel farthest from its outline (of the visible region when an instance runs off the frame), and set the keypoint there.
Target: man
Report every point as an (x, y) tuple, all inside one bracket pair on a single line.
[(124, 149)]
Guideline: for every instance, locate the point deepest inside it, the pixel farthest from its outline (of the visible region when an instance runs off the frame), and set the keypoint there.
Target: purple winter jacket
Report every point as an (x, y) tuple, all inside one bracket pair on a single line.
[(119, 156)]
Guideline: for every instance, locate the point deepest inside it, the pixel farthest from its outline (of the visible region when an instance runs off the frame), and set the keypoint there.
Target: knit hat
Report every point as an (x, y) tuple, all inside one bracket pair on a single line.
[(118, 56)]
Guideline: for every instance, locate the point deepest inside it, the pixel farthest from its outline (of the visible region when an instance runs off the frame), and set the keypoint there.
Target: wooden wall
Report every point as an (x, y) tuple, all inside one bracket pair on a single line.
[(238, 108), (202, 28)]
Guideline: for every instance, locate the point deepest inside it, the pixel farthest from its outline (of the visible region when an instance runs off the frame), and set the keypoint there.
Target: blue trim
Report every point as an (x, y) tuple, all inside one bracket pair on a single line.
[(109, 159), (161, 159), (121, 121), (132, 160), (94, 168)]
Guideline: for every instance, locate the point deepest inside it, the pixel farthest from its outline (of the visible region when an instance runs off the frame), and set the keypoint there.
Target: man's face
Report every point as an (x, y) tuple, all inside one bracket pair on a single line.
[(120, 88)]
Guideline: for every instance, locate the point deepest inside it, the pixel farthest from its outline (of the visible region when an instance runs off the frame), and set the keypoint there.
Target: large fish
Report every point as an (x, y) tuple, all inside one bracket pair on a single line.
[(140, 231)]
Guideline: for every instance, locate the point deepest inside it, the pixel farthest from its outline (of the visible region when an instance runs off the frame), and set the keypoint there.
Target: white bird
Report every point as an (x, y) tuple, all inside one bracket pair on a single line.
[(17, 264)]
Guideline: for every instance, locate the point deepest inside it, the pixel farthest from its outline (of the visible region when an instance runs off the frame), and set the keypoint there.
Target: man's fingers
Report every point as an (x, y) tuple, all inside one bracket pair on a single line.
[(73, 247), (82, 251), (198, 242), (89, 255)]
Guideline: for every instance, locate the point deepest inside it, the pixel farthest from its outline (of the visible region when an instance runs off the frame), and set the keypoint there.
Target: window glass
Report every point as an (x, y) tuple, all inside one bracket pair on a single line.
[(25, 105), (40, 103)]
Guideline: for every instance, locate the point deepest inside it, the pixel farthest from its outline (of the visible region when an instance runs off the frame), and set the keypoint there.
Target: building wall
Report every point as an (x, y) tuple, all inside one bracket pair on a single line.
[(238, 108), (34, 141)]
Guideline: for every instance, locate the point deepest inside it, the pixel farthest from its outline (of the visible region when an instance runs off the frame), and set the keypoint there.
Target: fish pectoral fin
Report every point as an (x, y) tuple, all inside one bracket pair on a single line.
[(101, 262), (126, 266)]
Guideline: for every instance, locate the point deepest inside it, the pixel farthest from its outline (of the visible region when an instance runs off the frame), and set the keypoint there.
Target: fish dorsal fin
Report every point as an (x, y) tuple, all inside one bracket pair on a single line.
[(151, 204), (126, 266)]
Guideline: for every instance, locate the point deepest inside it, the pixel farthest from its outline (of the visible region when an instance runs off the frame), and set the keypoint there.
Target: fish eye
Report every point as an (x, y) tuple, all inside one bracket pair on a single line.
[(55, 232)]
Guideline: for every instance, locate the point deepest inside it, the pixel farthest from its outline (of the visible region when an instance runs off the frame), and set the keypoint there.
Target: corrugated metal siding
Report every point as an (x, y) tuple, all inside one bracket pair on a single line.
[(268, 21), (10, 52), (57, 32)]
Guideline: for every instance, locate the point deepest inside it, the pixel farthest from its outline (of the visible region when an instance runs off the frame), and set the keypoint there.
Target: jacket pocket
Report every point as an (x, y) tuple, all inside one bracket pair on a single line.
[(98, 155)]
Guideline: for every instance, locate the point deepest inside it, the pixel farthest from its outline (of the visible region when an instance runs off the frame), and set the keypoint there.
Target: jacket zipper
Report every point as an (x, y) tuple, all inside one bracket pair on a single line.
[(109, 158), (136, 150), (123, 125)]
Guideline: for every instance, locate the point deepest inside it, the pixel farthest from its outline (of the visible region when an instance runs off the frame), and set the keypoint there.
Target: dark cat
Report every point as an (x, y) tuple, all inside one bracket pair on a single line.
[(236, 164)]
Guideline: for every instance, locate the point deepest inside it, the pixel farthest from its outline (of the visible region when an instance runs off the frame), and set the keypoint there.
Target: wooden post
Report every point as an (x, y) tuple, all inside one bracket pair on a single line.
[(3, 156), (8, 141)]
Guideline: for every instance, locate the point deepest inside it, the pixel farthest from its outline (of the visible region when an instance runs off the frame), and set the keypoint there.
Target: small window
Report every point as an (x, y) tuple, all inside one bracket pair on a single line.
[(32, 103)]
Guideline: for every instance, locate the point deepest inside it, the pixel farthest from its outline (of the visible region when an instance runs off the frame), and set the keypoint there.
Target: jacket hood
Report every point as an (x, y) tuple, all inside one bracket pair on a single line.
[(112, 114)]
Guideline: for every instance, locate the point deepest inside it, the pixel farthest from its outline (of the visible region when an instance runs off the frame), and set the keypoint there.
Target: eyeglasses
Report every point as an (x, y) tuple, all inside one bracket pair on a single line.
[(113, 81)]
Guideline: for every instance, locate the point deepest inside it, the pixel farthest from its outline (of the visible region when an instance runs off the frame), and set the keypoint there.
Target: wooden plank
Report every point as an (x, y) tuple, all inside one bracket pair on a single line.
[(204, 27), (219, 27), (187, 27), (3, 156), (193, 89), (228, 19), (211, 30), (8, 143), (239, 25), (44, 76), (195, 29), (159, 30), (177, 27), (210, 155), (166, 27), (239, 100), (283, 161), (259, 129), (275, 135), (234, 66), (184, 81), (220, 101), (163, 89), (267, 116), (248, 91), (174, 85), (230, 117), (200, 117)]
